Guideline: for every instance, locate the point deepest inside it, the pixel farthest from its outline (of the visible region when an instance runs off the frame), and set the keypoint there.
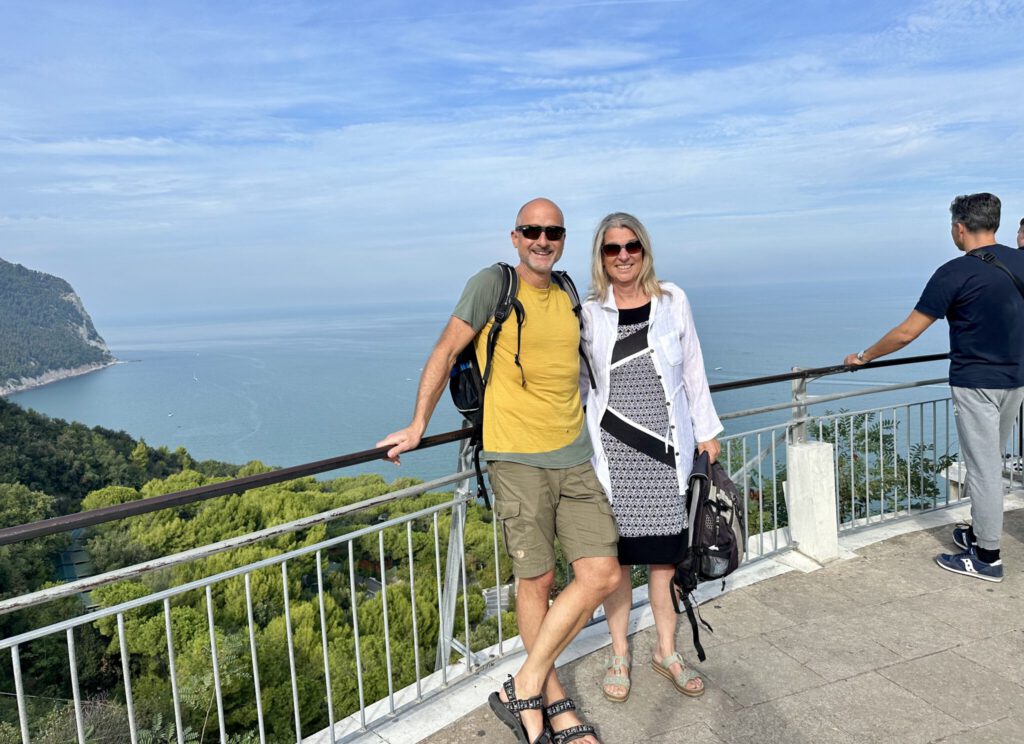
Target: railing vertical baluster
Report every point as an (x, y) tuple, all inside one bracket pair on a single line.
[(760, 501), (497, 584), (935, 448), (75, 692), (895, 463), (216, 665), (291, 651), (387, 631), (835, 468), (323, 642), (775, 499), (19, 694), (172, 670), (921, 434), (126, 670), (465, 605), (441, 662), (412, 602), (355, 633), (760, 478), (867, 468), (909, 460), (945, 451), (798, 423), (882, 470), (250, 620), (853, 475)]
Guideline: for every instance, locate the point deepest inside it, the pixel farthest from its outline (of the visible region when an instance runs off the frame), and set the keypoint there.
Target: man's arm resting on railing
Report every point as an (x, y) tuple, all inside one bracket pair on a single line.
[(454, 338), (915, 324)]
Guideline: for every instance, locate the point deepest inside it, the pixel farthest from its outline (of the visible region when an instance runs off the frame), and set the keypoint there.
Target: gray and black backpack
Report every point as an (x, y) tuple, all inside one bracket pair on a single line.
[(716, 538)]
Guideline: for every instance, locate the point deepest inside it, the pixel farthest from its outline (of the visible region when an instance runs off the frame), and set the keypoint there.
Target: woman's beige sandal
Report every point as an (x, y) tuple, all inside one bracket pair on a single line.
[(680, 680), (611, 679)]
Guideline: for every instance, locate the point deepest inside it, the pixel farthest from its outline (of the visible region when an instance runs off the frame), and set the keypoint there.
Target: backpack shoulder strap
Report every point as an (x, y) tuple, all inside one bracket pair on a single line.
[(507, 304), (989, 258), (507, 293), (563, 280)]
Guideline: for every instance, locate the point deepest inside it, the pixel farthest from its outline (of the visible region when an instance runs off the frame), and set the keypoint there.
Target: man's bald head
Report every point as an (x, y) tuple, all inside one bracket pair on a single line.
[(543, 204)]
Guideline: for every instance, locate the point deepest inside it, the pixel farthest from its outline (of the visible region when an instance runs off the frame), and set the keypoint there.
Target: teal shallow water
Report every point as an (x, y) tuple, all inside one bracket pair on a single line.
[(296, 387)]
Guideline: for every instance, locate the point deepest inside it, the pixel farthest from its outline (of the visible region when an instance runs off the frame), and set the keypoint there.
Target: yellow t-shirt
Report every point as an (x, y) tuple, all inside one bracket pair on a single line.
[(540, 422)]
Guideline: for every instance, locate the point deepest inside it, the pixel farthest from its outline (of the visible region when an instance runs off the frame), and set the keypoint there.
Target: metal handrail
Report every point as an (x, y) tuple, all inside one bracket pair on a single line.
[(91, 517), (68, 522), (807, 374)]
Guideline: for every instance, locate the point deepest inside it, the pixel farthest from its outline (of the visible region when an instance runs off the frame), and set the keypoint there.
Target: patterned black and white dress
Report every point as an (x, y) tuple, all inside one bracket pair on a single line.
[(648, 507)]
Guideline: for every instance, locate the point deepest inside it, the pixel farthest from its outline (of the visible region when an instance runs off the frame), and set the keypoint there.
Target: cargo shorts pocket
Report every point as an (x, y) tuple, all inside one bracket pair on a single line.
[(506, 510)]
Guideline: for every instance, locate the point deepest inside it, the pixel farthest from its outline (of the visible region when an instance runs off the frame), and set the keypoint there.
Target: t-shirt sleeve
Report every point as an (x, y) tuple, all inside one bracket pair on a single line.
[(938, 294), (479, 298)]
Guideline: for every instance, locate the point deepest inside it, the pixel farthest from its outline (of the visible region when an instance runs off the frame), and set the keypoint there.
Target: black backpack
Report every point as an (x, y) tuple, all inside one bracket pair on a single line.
[(716, 538), (467, 381)]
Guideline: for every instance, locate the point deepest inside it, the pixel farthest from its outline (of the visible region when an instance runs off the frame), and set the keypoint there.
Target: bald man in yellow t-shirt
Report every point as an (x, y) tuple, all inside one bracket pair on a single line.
[(538, 454)]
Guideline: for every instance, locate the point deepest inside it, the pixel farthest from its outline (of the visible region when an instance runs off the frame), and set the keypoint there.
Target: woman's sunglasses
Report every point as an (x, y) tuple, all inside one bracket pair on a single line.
[(613, 249)]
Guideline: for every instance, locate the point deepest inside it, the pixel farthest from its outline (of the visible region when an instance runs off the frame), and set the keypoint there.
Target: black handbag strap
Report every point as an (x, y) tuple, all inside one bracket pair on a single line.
[(989, 258)]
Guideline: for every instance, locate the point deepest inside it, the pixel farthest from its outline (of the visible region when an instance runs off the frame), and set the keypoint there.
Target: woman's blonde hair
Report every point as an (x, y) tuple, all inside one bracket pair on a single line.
[(599, 279)]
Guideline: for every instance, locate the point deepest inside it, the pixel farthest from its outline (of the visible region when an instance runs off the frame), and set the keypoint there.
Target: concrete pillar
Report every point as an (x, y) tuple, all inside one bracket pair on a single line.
[(811, 491)]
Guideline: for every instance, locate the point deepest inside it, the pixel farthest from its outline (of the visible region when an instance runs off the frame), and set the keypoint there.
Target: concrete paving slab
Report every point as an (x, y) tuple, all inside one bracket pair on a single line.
[(870, 708), (867, 582), (739, 668), (958, 687), (833, 647), (861, 650), (1003, 654), (902, 629), (801, 597), (779, 722), (1009, 730), (974, 609), (697, 734), (734, 616)]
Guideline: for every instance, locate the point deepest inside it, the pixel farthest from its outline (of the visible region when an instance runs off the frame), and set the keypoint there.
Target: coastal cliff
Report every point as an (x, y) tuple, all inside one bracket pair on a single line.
[(45, 333)]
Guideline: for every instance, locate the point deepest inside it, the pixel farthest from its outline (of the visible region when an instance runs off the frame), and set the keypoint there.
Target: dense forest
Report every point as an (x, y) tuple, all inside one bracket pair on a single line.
[(53, 467), (43, 326)]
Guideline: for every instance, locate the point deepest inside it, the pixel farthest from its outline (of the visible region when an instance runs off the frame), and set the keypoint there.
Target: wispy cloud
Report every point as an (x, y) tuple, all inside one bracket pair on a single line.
[(289, 153)]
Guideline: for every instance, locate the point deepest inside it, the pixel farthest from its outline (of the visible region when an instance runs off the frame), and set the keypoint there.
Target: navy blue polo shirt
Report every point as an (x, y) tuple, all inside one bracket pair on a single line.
[(986, 318)]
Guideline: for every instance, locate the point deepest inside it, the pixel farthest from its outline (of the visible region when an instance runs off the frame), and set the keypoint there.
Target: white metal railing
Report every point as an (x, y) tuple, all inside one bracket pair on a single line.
[(364, 646)]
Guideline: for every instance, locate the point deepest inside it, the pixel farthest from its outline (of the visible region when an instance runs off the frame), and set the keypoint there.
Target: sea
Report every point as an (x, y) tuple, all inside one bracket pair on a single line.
[(287, 387)]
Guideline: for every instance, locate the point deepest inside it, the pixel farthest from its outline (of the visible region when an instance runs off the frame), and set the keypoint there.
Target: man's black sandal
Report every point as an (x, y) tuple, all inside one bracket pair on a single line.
[(508, 713), (573, 732)]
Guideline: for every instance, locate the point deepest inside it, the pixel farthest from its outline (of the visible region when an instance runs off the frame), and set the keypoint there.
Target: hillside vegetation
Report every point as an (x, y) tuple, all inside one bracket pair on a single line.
[(43, 328), (50, 466)]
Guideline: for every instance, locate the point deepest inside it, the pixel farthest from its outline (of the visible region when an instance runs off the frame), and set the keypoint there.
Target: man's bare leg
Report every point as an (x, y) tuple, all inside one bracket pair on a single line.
[(546, 631), (616, 611)]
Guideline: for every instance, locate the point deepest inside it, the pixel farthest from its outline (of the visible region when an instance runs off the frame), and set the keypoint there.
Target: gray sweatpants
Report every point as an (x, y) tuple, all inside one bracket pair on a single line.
[(984, 419)]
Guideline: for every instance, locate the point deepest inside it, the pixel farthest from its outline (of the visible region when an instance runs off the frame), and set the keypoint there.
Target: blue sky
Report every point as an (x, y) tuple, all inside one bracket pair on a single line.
[(173, 158)]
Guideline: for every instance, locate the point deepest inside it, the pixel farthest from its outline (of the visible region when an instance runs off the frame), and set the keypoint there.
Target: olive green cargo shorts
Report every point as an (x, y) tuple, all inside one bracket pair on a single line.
[(536, 505)]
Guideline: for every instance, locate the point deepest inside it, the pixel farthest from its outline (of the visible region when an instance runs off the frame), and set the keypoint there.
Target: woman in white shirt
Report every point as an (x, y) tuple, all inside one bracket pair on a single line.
[(650, 410)]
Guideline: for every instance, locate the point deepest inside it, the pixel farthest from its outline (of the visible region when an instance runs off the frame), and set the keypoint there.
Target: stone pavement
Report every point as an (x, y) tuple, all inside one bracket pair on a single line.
[(881, 647)]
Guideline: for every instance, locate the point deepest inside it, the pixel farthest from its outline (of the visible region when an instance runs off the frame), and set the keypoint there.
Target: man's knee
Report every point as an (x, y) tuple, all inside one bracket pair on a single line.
[(599, 576), (537, 586)]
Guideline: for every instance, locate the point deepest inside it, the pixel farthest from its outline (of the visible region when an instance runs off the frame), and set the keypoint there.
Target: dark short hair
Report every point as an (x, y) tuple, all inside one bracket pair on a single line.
[(977, 212), (1022, 221)]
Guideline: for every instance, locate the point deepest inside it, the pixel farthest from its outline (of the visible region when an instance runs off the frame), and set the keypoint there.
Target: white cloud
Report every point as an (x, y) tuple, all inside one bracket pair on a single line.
[(319, 154)]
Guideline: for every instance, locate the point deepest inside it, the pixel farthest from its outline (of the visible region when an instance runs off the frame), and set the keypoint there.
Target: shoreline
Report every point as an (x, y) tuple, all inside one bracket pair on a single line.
[(55, 375)]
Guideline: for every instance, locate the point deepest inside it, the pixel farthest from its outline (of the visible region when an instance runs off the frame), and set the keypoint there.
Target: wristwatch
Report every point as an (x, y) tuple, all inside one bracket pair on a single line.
[(860, 356)]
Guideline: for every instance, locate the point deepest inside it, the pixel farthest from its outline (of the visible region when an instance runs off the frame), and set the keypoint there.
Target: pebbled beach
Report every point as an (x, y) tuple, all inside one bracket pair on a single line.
[(54, 375)]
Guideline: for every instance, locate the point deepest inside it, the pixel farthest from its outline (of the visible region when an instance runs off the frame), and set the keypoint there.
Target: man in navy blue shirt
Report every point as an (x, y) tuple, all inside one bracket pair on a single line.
[(985, 311)]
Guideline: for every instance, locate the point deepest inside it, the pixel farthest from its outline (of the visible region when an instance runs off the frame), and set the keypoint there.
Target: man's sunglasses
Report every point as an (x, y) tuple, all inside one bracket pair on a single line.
[(632, 248), (532, 232)]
